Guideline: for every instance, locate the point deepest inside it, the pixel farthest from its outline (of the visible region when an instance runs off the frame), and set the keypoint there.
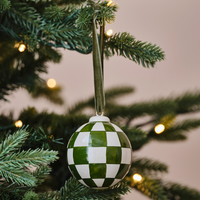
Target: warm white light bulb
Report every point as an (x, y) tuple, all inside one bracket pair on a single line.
[(51, 83), (137, 177), (109, 32), (22, 47), (159, 128), (18, 123), (109, 3)]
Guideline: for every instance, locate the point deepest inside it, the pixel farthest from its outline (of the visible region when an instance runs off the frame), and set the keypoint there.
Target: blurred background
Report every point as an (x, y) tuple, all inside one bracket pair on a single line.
[(174, 26)]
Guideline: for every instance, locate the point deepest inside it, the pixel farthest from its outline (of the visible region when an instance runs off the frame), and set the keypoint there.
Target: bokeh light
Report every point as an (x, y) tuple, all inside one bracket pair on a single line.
[(51, 83), (109, 32), (159, 128), (137, 177), (22, 47), (109, 3), (18, 123)]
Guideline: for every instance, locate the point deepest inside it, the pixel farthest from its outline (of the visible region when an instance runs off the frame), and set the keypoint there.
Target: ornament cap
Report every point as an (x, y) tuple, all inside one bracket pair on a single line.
[(99, 119)]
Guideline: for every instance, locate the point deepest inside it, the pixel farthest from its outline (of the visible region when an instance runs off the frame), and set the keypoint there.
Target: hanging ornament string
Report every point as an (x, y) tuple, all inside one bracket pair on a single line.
[(98, 68), (102, 30)]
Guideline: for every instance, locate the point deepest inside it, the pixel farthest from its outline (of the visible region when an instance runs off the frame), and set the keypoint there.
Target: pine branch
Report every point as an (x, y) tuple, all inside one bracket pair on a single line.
[(30, 195), (176, 191), (16, 175), (71, 1), (51, 53), (9, 32), (136, 145), (116, 92), (36, 28), (6, 122), (177, 131), (56, 13), (12, 192), (151, 188), (52, 94), (105, 14), (13, 142), (4, 5), (41, 173), (54, 126), (73, 190), (134, 134), (146, 166), (188, 102), (14, 166), (34, 158), (110, 96), (152, 108), (24, 75), (21, 70), (140, 52)]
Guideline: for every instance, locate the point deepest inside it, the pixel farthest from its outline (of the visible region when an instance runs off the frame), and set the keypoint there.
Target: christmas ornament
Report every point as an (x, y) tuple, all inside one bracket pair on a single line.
[(99, 153)]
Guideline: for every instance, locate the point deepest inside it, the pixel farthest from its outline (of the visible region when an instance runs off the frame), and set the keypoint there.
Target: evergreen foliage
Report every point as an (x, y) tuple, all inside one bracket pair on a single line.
[(74, 190), (176, 191), (41, 26), (125, 45), (13, 165), (147, 166)]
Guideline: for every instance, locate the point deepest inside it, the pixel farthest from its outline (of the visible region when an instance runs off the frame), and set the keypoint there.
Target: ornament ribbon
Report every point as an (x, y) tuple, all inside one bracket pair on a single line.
[(98, 69)]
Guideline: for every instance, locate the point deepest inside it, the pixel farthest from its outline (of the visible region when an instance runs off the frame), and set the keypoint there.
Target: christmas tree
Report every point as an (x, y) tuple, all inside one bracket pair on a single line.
[(42, 27)]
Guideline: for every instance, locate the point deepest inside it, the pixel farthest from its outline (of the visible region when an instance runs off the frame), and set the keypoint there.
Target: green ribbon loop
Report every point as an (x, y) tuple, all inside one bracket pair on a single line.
[(98, 71)]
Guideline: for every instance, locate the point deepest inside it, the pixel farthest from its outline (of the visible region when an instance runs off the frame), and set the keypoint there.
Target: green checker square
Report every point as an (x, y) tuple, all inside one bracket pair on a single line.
[(87, 127), (122, 171), (74, 171), (123, 140), (89, 182), (108, 182), (97, 139), (108, 127), (113, 155), (80, 155), (72, 140), (97, 170)]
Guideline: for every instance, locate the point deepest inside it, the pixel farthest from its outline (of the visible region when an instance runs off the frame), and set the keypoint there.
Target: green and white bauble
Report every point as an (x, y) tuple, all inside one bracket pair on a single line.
[(99, 153)]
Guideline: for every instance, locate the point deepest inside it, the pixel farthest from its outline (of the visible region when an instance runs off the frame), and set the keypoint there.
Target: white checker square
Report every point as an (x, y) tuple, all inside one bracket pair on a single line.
[(97, 154), (80, 127), (81, 181), (126, 156), (98, 127), (117, 128), (115, 182), (111, 170), (112, 139), (99, 182), (70, 157), (83, 171), (82, 139)]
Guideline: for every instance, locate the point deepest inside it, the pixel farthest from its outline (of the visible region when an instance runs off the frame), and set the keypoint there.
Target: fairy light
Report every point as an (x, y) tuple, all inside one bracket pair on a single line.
[(159, 128), (137, 177), (22, 47), (109, 32), (51, 83), (18, 123), (109, 3)]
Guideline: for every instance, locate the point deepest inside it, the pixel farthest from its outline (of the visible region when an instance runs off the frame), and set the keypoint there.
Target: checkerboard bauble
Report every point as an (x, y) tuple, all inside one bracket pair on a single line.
[(99, 153)]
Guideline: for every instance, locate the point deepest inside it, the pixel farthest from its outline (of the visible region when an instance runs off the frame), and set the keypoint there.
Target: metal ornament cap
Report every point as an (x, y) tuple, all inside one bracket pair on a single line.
[(99, 153), (99, 118)]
